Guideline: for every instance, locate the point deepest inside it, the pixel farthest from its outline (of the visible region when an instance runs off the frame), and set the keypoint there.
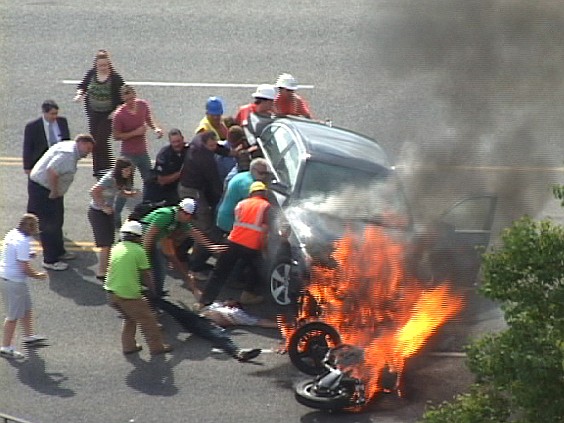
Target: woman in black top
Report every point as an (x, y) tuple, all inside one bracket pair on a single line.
[(100, 89)]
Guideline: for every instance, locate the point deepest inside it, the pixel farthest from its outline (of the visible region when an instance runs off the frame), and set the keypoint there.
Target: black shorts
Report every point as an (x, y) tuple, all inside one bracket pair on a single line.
[(102, 227)]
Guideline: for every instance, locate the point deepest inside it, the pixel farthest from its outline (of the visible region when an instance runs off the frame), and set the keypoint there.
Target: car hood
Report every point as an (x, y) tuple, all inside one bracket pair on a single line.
[(318, 222)]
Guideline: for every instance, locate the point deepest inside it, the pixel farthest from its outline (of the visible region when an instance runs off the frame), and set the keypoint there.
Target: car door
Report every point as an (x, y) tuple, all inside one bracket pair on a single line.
[(280, 148), (464, 233)]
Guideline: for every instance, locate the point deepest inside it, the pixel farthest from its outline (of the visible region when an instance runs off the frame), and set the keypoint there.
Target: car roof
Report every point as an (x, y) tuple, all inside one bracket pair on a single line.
[(333, 144)]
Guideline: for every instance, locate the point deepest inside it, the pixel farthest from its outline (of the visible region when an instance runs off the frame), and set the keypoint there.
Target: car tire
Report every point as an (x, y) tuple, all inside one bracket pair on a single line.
[(279, 281)]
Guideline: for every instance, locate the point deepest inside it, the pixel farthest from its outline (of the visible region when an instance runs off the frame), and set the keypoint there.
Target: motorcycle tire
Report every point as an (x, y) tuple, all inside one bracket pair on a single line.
[(305, 395), (309, 345)]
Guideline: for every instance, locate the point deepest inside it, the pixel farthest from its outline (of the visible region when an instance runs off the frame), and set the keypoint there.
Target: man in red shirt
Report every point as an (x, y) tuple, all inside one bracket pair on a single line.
[(263, 104), (287, 102), (130, 124), (245, 242)]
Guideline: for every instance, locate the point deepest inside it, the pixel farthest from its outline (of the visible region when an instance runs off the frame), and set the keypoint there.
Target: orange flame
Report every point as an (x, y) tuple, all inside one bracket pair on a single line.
[(375, 304)]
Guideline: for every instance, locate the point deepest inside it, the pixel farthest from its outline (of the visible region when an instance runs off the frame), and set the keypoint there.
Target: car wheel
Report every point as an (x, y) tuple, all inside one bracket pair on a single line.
[(280, 282)]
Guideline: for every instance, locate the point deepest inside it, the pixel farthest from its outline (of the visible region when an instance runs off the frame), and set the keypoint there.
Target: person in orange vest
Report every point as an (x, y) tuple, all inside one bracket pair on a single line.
[(246, 241)]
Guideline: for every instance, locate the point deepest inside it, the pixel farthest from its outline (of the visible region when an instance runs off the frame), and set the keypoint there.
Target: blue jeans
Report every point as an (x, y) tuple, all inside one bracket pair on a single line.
[(141, 162)]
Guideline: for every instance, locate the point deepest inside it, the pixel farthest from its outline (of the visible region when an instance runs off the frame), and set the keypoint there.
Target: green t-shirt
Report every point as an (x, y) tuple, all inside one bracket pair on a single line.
[(100, 95), (164, 218), (127, 260)]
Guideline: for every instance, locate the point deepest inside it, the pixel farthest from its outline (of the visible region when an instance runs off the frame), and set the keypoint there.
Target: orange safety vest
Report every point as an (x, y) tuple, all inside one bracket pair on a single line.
[(248, 229)]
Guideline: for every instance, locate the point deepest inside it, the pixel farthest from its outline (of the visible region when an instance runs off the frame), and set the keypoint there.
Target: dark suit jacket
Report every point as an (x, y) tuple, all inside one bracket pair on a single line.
[(35, 142)]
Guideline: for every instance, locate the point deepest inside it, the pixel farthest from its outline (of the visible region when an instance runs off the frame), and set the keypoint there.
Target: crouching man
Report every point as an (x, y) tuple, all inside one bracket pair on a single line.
[(128, 269)]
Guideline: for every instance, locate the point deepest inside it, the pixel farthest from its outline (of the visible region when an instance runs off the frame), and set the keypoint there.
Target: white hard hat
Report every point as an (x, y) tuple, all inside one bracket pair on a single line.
[(188, 205), (265, 91), (287, 81), (132, 227)]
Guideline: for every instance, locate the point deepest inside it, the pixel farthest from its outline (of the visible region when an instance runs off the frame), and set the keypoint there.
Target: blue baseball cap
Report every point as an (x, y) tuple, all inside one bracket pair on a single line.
[(214, 106)]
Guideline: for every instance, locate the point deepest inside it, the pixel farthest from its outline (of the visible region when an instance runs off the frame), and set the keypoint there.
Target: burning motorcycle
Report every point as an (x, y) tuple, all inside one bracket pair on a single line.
[(335, 388), (359, 321), (316, 349)]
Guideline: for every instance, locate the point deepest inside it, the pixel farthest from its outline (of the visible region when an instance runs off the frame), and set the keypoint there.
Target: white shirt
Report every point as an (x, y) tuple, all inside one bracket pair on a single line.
[(17, 248), (61, 158)]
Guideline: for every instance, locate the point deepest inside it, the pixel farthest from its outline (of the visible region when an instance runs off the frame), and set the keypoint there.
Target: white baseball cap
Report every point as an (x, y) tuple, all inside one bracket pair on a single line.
[(265, 91), (132, 227), (188, 205)]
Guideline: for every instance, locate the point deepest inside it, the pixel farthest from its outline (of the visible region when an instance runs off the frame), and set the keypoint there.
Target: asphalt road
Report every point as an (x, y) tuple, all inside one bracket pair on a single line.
[(465, 95)]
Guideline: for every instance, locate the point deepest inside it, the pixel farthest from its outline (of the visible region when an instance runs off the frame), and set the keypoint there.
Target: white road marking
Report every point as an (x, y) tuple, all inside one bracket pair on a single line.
[(187, 84), (13, 161)]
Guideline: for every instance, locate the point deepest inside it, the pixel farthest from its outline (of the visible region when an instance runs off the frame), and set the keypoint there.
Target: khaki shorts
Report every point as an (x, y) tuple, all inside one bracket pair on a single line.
[(17, 299)]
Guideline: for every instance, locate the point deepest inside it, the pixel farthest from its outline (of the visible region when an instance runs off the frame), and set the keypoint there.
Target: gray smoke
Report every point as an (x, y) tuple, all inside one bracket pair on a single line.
[(495, 69)]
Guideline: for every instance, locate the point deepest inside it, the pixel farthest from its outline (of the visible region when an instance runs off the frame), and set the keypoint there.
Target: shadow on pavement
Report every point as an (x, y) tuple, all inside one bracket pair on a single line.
[(33, 373), (326, 417), (73, 283), (153, 377)]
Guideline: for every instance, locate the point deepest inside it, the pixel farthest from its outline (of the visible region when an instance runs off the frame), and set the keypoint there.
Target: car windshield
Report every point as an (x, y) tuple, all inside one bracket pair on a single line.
[(353, 194)]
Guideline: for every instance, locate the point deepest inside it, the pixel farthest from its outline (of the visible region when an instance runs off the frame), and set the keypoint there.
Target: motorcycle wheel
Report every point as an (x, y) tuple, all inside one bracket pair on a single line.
[(309, 345), (305, 395)]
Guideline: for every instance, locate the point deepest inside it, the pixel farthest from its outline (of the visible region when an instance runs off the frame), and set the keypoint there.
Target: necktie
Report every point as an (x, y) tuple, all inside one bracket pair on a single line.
[(52, 137)]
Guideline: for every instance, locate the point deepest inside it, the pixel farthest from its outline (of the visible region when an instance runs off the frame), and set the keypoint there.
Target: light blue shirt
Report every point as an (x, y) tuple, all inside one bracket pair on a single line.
[(61, 158), (237, 190), (56, 130)]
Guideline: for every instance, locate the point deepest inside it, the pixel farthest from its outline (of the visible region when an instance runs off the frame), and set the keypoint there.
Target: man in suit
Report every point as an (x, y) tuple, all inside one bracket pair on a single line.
[(42, 133)]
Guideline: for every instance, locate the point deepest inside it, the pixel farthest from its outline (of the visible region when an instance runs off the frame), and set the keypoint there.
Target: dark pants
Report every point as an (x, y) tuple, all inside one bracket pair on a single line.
[(101, 129), (225, 263), (51, 215), (204, 221), (155, 193), (158, 268), (199, 325), (200, 254)]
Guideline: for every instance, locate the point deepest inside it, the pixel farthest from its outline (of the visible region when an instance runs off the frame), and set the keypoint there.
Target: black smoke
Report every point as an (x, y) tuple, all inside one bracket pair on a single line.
[(493, 72)]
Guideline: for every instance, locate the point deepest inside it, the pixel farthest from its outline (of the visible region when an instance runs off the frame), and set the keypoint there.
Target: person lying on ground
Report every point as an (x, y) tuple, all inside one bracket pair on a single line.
[(231, 313), (204, 328)]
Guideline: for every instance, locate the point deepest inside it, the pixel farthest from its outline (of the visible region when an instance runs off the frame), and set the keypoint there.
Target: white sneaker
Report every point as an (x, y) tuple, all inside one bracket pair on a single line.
[(33, 338), (10, 352), (58, 265)]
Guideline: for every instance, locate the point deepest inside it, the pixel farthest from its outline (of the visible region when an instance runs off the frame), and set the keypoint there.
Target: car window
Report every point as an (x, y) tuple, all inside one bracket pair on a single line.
[(471, 214), (354, 193), (275, 141), (287, 168), (325, 178)]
